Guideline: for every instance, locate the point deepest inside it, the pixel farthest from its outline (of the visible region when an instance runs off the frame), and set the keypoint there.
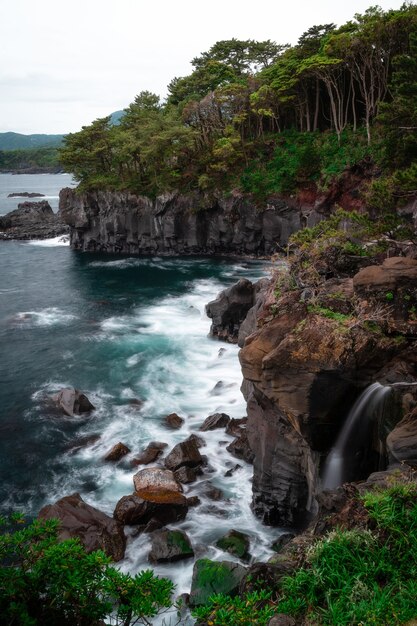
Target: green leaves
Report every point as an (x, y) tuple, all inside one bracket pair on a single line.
[(44, 583)]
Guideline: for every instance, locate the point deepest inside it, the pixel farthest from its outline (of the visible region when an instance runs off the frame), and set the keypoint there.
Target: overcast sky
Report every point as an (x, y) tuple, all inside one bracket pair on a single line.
[(65, 63)]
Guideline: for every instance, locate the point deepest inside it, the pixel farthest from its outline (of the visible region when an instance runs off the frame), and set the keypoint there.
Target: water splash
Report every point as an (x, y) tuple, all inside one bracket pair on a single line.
[(353, 441)]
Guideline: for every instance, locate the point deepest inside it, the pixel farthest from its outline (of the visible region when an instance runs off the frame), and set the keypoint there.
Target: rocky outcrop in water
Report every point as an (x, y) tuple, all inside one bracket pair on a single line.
[(96, 530), (174, 224), (32, 220)]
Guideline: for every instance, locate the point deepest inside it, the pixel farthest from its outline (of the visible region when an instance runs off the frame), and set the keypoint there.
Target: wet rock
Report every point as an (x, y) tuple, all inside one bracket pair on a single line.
[(217, 420), (169, 546), (260, 575), (220, 387), (282, 541), (176, 224), (230, 309), (213, 577), (157, 481), (199, 441), (72, 402), (160, 509), (32, 220), (184, 454), (96, 530), (82, 442), (150, 454), (402, 441), (221, 352), (235, 543), (213, 493), (187, 475), (136, 403), (240, 448), (118, 451), (173, 421), (236, 426), (232, 470), (193, 501)]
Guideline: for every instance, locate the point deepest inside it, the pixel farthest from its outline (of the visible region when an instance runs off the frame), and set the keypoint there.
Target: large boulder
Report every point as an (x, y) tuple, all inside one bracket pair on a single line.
[(174, 421), (217, 420), (169, 546), (230, 309), (156, 481), (213, 577), (72, 402), (161, 509), (184, 454), (96, 530)]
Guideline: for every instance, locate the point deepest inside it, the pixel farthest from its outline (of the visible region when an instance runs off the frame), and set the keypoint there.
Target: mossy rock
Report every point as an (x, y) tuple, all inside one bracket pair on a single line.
[(235, 543), (213, 577), (169, 546)]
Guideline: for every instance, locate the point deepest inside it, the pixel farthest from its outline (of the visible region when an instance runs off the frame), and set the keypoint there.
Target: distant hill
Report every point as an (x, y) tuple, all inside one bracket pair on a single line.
[(116, 117), (17, 141)]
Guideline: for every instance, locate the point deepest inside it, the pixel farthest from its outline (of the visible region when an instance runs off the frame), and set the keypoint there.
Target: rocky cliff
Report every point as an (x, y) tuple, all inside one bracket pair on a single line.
[(313, 341), (173, 224)]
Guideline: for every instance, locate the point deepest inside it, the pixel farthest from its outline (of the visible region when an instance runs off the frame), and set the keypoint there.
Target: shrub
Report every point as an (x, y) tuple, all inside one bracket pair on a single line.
[(44, 582)]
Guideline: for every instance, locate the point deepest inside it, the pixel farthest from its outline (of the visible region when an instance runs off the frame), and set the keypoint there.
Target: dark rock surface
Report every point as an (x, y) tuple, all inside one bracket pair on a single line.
[(169, 546), (187, 475), (118, 451), (175, 224), (72, 402), (241, 449), (184, 454), (173, 421), (32, 220), (25, 194), (142, 508), (229, 310), (150, 454), (217, 420), (96, 530)]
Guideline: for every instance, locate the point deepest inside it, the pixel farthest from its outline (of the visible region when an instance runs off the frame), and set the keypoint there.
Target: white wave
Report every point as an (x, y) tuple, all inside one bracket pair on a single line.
[(51, 316), (62, 240)]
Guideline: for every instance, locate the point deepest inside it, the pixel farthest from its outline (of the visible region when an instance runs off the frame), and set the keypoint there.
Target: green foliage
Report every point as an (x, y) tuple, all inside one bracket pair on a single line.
[(254, 609), (267, 118), (45, 157), (329, 314), (44, 582), (357, 576)]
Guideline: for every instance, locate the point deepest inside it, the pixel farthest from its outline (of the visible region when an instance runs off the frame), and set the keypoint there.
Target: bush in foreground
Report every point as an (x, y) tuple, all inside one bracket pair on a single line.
[(43, 582), (360, 576)]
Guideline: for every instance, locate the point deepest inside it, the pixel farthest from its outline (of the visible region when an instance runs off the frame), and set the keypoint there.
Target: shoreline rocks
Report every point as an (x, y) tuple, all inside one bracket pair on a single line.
[(32, 220), (95, 529)]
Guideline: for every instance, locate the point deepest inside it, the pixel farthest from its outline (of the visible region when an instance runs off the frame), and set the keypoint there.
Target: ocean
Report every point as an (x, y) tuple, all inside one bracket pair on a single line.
[(121, 329)]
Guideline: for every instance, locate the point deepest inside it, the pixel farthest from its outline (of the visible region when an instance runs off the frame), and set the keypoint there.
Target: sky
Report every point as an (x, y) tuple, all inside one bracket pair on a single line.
[(64, 63)]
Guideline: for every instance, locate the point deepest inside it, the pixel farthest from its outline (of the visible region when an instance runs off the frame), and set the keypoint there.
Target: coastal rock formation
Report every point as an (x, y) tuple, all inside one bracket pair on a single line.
[(304, 367), (72, 402), (174, 224), (32, 220), (96, 530)]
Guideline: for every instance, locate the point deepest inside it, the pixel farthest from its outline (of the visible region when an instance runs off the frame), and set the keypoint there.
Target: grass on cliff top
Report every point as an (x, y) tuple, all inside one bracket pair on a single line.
[(360, 576)]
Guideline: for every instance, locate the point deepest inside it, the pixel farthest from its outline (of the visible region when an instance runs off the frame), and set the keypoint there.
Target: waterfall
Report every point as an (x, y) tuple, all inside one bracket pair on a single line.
[(353, 444)]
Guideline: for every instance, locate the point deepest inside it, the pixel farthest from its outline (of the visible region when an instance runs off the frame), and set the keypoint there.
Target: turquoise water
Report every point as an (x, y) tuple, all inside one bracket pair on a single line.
[(120, 329)]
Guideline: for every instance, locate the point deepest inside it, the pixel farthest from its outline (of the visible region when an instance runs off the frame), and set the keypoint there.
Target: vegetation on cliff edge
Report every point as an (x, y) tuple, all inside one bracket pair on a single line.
[(263, 118)]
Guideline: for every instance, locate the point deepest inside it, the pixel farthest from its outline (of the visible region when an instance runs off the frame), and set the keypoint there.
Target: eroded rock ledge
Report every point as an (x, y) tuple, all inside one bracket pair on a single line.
[(122, 222)]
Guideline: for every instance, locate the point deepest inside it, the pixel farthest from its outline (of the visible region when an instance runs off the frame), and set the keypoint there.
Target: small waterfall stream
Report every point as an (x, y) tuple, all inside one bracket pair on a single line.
[(352, 445)]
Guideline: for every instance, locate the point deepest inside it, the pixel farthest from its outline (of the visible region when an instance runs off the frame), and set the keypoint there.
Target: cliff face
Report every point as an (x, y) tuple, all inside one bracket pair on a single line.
[(304, 365), (126, 223)]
